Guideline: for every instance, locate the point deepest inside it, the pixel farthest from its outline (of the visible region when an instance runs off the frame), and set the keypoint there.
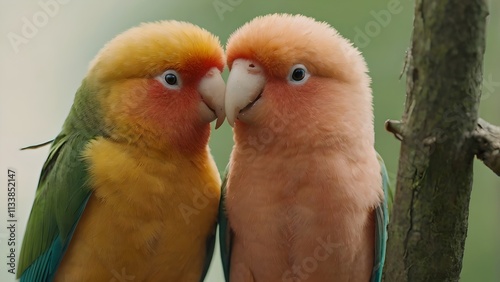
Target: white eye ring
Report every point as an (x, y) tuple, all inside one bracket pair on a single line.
[(298, 74), (170, 79)]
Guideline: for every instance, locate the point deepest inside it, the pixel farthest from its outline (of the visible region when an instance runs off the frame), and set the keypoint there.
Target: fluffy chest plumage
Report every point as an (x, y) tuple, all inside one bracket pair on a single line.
[(148, 217), (303, 216)]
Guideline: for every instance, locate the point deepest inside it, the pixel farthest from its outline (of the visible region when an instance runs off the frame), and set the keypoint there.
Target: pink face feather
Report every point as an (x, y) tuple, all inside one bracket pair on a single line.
[(303, 167)]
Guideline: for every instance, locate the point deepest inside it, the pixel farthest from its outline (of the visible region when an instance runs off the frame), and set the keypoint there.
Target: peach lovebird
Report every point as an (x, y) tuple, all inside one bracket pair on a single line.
[(305, 193), (113, 197)]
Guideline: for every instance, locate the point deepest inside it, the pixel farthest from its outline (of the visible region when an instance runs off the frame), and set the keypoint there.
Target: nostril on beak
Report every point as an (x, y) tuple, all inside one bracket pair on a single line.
[(253, 69), (210, 73)]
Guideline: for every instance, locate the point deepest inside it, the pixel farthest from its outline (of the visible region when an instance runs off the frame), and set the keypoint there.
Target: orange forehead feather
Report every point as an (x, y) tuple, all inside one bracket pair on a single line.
[(151, 48), (279, 41)]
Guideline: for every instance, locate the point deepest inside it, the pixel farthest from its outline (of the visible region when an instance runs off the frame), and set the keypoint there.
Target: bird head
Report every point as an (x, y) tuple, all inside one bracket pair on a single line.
[(297, 72), (160, 84)]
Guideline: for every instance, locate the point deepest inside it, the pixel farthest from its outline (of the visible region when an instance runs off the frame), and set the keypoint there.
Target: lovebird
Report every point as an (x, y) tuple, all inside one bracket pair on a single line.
[(305, 194), (130, 190)]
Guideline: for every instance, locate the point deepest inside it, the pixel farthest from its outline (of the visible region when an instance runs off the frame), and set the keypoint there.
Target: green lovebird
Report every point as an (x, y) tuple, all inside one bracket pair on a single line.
[(115, 200)]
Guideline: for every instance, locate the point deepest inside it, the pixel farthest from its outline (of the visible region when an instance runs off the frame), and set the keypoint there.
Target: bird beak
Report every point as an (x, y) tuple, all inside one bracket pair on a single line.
[(211, 89), (244, 86)]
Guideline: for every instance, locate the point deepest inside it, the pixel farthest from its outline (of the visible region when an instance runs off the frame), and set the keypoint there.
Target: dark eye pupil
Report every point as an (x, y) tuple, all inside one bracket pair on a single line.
[(171, 78), (298, 74)]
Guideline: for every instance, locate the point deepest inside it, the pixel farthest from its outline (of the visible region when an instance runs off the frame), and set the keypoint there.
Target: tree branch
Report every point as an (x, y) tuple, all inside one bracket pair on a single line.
[(395, 127), (486, 138)]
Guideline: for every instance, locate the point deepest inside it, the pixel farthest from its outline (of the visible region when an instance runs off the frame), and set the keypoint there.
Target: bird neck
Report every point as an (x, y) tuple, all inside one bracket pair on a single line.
[(191, 142), (86, 116)]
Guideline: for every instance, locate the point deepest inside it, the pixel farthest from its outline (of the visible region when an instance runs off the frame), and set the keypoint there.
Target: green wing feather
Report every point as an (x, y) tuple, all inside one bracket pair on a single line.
[(382, 213), (60, 198), (62, 192)]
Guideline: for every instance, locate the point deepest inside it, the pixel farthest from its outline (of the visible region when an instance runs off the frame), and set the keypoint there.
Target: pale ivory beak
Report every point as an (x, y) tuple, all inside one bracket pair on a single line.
[(244, 86), (211, 89)]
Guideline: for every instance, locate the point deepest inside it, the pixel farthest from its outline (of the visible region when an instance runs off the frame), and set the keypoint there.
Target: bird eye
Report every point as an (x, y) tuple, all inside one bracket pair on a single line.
[(170, 79), (298, 74)]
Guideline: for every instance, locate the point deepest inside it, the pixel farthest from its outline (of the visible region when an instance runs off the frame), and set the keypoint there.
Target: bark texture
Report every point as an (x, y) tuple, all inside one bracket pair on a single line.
[(429, 221)]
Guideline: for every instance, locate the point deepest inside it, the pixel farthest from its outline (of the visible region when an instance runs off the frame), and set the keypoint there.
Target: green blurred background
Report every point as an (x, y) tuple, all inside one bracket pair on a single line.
[(39, 79)]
